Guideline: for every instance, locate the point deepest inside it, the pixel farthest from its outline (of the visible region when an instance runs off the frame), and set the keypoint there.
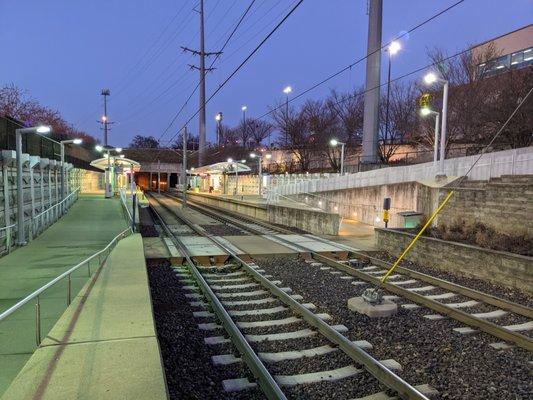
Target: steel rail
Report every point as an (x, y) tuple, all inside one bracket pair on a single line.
[(486, 326), (266, 380), (373, 366)]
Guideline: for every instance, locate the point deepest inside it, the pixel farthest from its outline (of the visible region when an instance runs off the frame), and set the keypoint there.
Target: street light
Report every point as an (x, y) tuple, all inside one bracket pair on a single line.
[(334, 143), (260, 167), (108, 149), (425, 112), (218, 118), (21, 237), (393, 48), (287, 91), (244, 108), (62, 144), (430, 79)]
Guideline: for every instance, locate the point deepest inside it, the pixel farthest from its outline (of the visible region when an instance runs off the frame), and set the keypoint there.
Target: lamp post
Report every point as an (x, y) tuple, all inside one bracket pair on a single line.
[(21, 237), (334, 143), (260, 167), (429, 79), (425, 112), (287, 91), (62, 146), (244, 108), (392, 49), (108, 149), (218, 118)]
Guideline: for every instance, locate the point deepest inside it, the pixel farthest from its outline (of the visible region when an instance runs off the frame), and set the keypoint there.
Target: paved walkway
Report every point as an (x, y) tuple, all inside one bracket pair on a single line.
[(104, 346), (88, 226)]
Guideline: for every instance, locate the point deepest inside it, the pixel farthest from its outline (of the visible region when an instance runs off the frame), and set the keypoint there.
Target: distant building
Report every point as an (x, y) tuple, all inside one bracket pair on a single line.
[(513, 50)]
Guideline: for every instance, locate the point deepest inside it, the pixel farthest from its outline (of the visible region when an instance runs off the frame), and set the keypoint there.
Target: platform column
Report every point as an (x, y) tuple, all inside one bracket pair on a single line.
[(7, 205)]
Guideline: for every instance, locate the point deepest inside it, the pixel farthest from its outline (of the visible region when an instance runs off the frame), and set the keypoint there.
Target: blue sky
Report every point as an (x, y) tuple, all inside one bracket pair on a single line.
[(63, 52)]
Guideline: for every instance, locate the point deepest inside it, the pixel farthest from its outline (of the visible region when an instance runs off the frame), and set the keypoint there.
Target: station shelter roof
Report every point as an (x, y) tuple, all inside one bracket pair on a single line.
[(220, 168), (101, 163)]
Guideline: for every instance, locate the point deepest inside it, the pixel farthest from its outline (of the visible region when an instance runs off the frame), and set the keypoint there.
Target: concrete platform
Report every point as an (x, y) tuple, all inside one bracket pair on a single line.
[(88, 226), (259, 245), (104, 346)]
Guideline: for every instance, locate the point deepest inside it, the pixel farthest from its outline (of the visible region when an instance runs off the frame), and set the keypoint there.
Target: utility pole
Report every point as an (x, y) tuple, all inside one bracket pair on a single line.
[(202, 69), (184, 167), (373, 65)]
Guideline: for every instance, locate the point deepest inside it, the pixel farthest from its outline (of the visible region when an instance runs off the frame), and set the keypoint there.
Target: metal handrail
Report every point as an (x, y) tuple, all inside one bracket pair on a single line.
[(66, 274), (55, 205), (123, 199)]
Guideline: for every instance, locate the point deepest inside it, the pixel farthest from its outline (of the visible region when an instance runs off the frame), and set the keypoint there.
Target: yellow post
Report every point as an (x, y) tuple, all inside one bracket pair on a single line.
[(430, 220)]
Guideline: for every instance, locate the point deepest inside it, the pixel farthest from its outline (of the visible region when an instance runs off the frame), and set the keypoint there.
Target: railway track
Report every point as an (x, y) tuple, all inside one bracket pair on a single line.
[(408, 284), (269, 326)]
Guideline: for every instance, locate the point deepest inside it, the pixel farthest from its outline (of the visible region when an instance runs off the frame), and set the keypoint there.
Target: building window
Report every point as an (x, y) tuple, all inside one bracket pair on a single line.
[(522, 58)]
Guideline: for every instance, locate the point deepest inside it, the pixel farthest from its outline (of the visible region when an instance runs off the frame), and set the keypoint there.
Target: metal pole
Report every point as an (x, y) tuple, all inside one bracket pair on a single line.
[(134, 206), (236, 179), (62, 152), (158, 176), (201, 116), (184, 167), (436, 144), (342, 159), (260, 159), (387, 108), (287, 120), (38, 322), (132, 182), (244, 129), (108, 191), (373, 65), (21, 240), (443, 130)]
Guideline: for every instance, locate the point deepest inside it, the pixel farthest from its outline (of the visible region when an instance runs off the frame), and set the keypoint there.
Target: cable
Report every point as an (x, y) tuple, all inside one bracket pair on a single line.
[(241, 65), (293, 98), (212, 63)]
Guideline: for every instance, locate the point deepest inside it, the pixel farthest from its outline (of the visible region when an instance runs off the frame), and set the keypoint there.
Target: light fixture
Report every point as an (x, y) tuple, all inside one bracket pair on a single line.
[(118, 149), (218, 117), (98, 148), (334, 142), (104, 118), (77, 141), (268, 156), (230, 160), (244, 108), (430, 78), (243, 161), (394, 47), (425, 111), (253, 155), (287, 90), (43, 129), (122, 156)]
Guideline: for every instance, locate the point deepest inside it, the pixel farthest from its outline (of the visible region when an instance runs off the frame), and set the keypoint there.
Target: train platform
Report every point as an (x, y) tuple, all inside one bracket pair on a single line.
[(104, 346), (86, 228)]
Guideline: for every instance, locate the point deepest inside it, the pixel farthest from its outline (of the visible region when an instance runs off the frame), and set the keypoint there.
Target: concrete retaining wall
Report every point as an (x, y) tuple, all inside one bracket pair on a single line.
[(313, 221), (499, 267)]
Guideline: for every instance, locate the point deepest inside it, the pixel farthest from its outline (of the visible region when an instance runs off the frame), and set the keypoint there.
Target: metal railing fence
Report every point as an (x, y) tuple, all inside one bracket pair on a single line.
[(96, 259), (35, 225)]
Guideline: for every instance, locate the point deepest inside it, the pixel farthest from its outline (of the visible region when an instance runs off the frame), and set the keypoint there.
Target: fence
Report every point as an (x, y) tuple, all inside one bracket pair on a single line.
[(508, 162), (35, 225), (66, 277)]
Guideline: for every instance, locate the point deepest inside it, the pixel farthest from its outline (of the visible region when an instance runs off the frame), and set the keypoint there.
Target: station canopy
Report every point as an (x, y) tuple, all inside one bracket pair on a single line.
[(220, 168), (101, 163)]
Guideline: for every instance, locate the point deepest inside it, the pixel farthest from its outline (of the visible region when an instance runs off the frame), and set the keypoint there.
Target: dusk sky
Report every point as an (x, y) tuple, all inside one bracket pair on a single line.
[(63, 52)]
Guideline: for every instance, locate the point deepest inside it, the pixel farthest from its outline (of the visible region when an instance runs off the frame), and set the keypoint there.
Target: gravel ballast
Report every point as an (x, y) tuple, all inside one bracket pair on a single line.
[(458, 366)]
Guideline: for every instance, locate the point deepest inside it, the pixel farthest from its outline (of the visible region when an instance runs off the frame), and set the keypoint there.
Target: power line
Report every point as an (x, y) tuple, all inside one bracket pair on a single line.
[(256, 49), (330, 77), (239, 22)]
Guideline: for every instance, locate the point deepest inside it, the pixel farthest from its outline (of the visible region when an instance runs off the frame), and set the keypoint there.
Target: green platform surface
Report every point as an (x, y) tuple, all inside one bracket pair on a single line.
[(86, 228), (104, 346)]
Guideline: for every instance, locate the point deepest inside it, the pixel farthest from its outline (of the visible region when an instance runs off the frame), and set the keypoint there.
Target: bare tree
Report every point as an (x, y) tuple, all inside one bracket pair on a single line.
[(258, 130), (403, 119), (349, 108), (295, 127)]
